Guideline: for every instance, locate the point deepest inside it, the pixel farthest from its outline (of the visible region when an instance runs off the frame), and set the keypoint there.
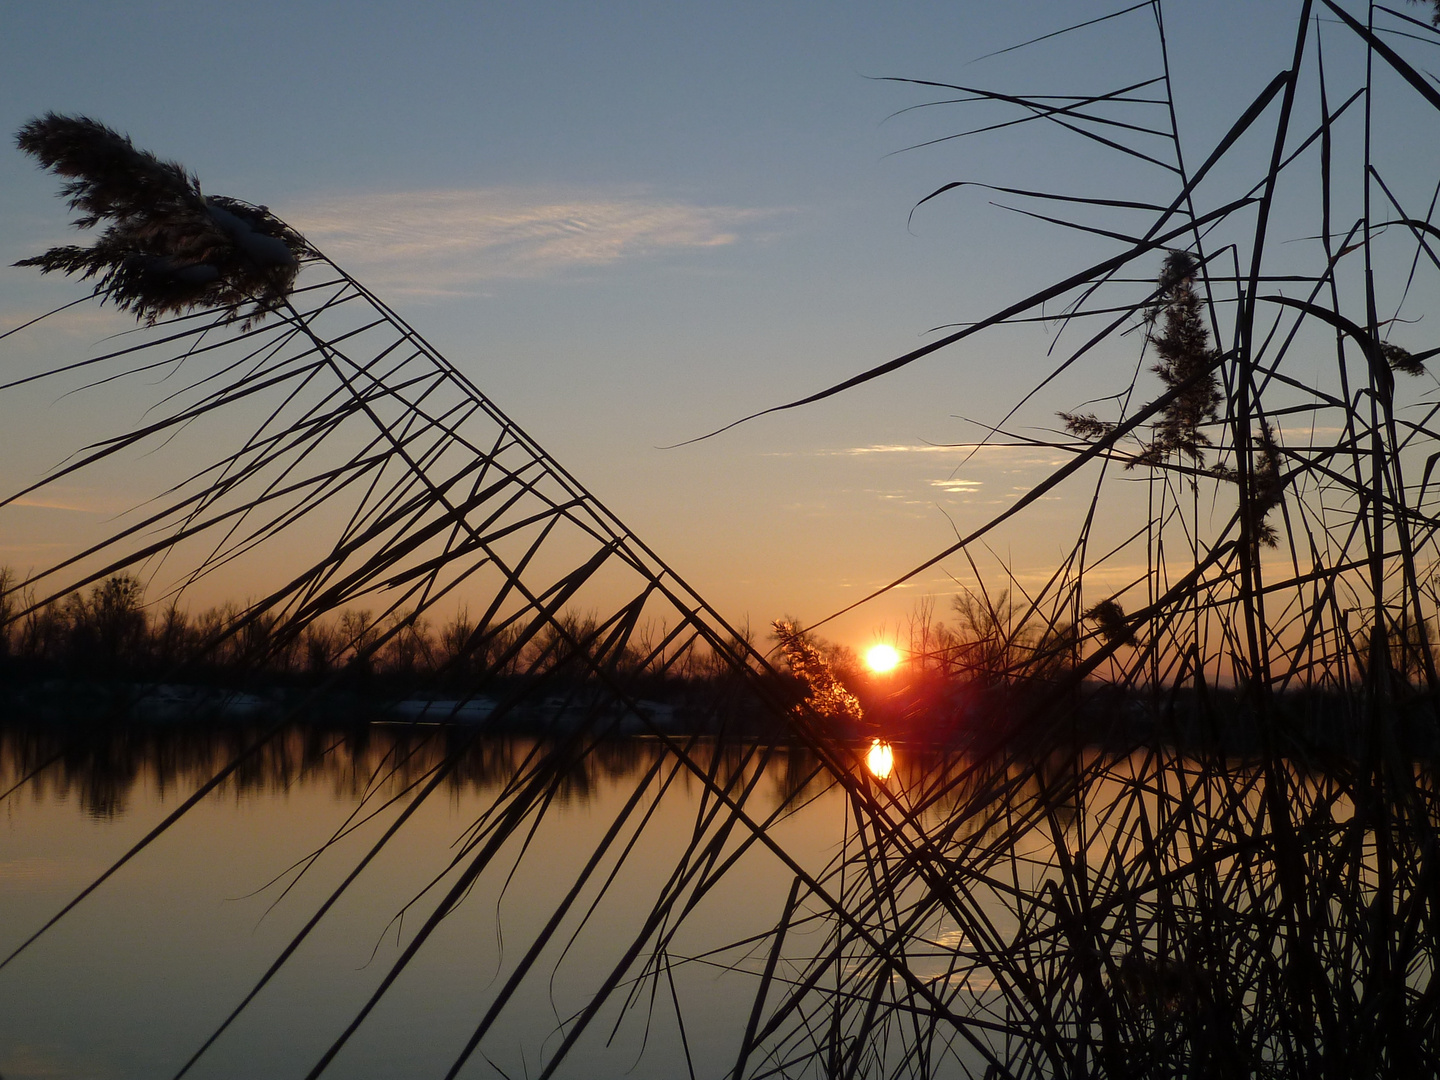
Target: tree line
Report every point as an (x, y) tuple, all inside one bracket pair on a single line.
[(110, 632)]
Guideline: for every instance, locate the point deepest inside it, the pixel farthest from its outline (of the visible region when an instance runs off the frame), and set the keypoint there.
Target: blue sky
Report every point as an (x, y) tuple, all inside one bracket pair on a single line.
[(632, 222)]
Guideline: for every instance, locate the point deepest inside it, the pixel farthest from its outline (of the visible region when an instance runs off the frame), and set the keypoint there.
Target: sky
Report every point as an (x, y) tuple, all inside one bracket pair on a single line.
[(631, 223)]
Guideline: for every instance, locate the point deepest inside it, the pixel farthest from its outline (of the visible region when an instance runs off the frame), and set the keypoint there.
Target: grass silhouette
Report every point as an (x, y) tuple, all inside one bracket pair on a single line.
[(1244, 884)]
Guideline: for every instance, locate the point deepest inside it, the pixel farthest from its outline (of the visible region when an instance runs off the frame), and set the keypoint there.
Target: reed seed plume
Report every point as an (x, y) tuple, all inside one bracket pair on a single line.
[(825, 696), (1434, 6), (1186, 364), (1110, 617), (167, 248), (1086, 426), (1402, 359), (1265, 486)]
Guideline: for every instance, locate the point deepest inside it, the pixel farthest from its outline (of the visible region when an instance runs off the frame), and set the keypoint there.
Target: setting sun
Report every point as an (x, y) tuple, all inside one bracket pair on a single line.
[(882, 658)]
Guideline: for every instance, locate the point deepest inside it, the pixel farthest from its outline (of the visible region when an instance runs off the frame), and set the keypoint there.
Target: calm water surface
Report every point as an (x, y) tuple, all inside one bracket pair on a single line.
[(1151, 844), (133, 981)]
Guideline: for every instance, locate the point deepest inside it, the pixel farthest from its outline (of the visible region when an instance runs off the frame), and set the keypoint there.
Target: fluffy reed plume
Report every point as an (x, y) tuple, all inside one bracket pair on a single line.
[(1175, 324), (1087, 426), (1109, 616), (827, 696), (1182, 344), (1402, 359), (168, 248)]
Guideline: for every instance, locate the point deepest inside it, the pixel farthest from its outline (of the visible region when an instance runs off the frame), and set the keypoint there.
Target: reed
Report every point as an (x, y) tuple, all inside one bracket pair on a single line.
[(1244, 884)]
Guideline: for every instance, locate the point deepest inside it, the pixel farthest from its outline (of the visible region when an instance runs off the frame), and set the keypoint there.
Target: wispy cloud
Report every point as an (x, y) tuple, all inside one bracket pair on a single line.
[(54, 504), (997, 454), (450, 242), (907, 448)]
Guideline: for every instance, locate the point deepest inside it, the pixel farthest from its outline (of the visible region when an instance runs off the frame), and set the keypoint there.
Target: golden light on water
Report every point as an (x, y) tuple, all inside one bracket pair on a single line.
[(882, 658), (880, 760)]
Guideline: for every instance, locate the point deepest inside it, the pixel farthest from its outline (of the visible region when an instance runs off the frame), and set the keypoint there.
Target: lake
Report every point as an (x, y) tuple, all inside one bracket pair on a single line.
[(636, 907), (135, 979)]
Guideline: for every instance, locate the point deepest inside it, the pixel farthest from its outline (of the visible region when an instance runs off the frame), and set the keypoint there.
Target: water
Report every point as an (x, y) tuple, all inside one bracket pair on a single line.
[(135, 979), (1015, 912)]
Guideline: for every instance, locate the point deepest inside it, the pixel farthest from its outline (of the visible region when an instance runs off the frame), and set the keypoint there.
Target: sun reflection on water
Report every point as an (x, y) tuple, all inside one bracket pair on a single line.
[(880, 760)]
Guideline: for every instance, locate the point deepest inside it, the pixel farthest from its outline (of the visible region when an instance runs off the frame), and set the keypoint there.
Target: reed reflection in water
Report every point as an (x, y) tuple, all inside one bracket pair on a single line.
[(106, 768), (968, 909), (139, 975)]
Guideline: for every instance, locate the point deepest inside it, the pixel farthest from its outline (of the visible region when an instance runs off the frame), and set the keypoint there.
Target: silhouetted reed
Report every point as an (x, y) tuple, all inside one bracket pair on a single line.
[(1234, 877)]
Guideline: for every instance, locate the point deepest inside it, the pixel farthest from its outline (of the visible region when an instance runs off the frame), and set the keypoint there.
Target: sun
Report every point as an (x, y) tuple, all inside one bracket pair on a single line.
[(882, 658)]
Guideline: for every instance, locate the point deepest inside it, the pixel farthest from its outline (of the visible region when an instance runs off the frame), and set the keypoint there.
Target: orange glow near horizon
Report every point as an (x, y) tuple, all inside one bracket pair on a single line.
[(880, 760), (882, 658)]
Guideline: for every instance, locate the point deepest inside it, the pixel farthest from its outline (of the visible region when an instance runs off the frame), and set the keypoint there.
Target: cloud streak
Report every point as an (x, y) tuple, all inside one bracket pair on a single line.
[(451, 242), (961, 486), (52, 504), (1009, 458)]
